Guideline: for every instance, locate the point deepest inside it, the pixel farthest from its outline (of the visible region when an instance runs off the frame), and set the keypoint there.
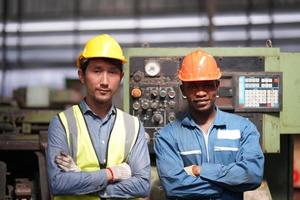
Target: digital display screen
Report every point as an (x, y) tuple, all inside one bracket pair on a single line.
[(259, 91)]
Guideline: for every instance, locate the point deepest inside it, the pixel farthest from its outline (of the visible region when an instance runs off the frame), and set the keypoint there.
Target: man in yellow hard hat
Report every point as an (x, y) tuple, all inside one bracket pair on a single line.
[(207, 154), (95, 150)]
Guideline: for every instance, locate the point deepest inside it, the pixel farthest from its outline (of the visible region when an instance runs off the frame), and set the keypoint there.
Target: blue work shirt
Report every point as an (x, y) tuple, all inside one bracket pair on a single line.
[(74, 183), (231, 161)]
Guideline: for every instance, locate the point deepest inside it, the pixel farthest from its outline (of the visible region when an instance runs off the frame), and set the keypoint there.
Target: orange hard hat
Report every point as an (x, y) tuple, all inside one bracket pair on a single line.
[(199, 66)]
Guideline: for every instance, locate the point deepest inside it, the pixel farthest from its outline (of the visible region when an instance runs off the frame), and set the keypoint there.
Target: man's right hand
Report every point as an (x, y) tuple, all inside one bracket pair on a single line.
[(119, 172)]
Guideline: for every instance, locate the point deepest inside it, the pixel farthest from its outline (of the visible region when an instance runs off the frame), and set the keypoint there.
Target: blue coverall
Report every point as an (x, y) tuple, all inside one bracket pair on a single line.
[(231, 158)]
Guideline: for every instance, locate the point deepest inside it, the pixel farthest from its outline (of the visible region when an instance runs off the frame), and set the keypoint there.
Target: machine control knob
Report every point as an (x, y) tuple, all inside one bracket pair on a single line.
[(172, 104), (171, 94), (137, 77), (154, 93), (136, 105), (171, 117), (145, 105), (157, 118), (154, 105), (163, 93), (136, 93)]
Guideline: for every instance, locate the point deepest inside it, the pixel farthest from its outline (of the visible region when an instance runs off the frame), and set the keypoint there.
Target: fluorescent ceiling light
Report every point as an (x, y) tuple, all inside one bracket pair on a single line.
[(260, 19), (48, 26), (286, 17), (288, 33), (108, 24), (124, 38), (47, 40), (11, 40), (173, 22), (178, 36), (229, 35), (260, 34), (12, 27), (176, 21), (137, 34), (225, 20)]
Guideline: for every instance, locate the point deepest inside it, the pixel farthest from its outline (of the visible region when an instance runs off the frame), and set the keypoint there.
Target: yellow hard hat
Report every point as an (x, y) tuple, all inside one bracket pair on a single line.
[(101, 46), (199, 66)]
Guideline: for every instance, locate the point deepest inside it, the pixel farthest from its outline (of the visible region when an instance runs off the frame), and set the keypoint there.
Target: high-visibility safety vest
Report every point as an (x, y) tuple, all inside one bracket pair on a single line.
[(121, 140)]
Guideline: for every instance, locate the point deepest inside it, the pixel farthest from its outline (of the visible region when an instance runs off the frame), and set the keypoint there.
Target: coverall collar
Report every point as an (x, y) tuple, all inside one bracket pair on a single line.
[(218, 121)]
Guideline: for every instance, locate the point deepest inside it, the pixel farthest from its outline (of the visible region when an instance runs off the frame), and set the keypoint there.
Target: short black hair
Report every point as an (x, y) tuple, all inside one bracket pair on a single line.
[(85, 62)]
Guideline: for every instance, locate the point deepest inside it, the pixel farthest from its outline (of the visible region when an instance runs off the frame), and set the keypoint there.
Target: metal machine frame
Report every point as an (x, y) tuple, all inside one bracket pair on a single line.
[(276, 126)]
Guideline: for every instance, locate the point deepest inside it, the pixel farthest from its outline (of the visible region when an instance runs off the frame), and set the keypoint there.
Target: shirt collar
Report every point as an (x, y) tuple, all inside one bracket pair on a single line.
[(86, 109), (218, 121)]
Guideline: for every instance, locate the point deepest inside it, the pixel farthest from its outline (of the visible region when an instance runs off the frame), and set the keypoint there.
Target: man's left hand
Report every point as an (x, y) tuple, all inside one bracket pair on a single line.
[(66, 163), (193, 170)]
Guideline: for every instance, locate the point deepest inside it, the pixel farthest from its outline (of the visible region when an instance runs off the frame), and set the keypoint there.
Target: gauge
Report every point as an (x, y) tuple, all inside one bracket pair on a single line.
[(152, 68)]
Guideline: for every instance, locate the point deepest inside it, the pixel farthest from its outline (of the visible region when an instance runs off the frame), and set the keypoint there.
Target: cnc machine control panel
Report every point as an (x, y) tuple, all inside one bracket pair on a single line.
[(156, 98)]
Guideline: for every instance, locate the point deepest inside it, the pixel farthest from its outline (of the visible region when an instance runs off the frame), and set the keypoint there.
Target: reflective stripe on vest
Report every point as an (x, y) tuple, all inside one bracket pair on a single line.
[(121, 140)]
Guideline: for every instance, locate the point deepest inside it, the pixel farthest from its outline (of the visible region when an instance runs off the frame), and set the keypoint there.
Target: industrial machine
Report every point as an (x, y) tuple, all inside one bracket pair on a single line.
[(156, 98), (24, 123), (258, 83), (23, 140)]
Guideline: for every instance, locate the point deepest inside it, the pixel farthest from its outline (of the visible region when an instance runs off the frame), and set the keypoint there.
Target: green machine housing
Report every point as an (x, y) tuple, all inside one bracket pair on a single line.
[(261, 84)]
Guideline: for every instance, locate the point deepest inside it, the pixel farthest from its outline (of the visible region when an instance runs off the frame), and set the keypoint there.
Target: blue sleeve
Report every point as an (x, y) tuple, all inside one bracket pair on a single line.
[(176, 182), (63, 183), (139, 184), (244, 174)]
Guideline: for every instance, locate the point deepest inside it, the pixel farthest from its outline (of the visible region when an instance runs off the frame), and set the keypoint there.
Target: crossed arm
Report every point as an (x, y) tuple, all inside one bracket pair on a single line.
[(209, 179), (75, 182)]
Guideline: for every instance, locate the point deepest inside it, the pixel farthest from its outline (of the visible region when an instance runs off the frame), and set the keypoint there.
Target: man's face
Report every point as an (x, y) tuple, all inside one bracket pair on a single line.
[(201, 95), (102, 80)]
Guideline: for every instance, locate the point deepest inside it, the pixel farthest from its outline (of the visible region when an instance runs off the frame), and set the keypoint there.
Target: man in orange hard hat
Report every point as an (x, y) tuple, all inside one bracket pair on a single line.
[(207, 154), (95, 150)]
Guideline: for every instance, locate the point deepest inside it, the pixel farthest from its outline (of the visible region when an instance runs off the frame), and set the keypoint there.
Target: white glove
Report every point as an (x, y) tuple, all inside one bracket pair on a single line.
[(66, 163), (120, 172), (192, 170)]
